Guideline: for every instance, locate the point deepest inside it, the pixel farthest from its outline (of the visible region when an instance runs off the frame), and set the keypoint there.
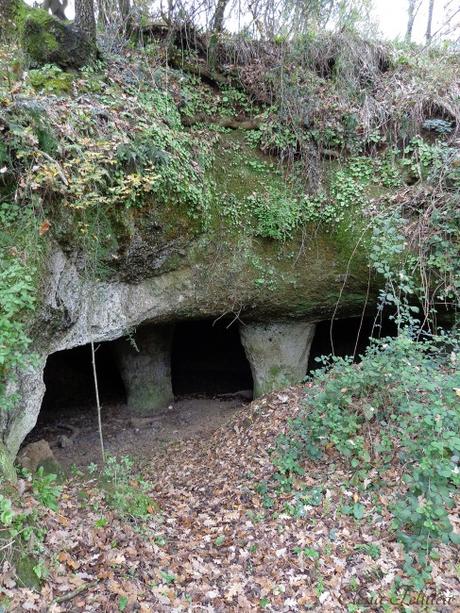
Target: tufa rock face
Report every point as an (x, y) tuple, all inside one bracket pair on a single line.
[(47, 40), (145, 367), (299, 289), (277, 352)]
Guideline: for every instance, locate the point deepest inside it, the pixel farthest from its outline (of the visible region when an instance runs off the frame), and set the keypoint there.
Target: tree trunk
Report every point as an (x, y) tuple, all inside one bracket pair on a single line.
[(125, 8), (102, 13), (429, 25), (84, 19), (217, 22), (410, 20)]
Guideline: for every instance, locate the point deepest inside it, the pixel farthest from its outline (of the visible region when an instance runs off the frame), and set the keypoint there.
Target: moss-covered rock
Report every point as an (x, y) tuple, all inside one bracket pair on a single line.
[(47, 40), (7, 470)]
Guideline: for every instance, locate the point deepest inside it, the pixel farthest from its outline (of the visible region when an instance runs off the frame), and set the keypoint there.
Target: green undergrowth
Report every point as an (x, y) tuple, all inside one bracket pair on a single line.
[(397, 408), (22, 531), (23, 509), (124, 490), (21, 254)]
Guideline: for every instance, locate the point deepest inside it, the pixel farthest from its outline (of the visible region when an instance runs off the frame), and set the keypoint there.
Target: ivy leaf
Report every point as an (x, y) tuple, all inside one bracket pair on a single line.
[(358, 510)]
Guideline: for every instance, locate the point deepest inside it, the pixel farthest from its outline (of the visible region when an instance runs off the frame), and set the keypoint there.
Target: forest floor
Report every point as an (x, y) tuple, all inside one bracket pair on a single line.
[(212, 541)]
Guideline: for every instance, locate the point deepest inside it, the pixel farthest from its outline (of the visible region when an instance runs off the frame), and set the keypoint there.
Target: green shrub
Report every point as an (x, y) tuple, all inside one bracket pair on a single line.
[(124, 491), (21, 530), (410, 390), (51, 79)]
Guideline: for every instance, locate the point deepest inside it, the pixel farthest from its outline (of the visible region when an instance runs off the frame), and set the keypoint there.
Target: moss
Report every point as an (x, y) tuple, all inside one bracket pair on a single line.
[(41, 41), (26, 576), (51, 80), (7, 470), (48, 40)]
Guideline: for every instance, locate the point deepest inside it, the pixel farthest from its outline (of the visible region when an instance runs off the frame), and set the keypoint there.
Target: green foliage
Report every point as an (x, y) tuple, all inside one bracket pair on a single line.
[(19, 251), (198, 100), (419, 262), (276, 137), (21, 530), (51, 79), (46, 490), (409, 390), (277, 215), (349, 189), (369, 549), (125, 492)]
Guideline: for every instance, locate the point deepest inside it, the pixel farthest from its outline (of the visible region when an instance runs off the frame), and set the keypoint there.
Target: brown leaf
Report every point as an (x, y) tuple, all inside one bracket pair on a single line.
[(44, 227)]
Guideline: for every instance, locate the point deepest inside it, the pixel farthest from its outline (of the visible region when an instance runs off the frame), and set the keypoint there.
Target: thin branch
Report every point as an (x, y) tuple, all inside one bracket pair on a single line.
[(98, 403), (76, 592)]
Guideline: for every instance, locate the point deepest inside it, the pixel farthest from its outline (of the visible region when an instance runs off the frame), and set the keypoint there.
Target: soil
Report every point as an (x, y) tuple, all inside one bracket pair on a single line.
[(74, 438)]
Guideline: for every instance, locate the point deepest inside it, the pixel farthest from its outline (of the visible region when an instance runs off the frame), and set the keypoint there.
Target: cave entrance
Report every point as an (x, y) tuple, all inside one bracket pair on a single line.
[(208, 359), (350, 337), (68, 416), (210, 375), (69, 382)]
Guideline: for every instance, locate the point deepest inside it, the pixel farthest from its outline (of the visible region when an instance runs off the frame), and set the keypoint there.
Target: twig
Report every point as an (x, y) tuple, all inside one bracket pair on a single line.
[(58, 167), (75, 592), (96, 389), (7, 545)]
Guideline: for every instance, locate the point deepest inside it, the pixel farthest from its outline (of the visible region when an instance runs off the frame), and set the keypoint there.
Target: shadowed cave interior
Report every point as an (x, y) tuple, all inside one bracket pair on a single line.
[(208, 369), (208, 358)]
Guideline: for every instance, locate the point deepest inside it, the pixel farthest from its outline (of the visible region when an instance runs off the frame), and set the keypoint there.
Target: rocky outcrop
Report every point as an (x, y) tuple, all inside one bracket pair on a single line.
[(277, 353), (298, 289), (48, 40)]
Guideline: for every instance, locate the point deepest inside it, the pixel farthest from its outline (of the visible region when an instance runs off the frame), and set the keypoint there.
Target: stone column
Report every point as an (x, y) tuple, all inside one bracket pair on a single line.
[(277, 353), (145, 367)]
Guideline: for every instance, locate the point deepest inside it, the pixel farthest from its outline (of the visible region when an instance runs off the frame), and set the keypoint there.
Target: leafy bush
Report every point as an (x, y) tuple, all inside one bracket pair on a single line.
[(409, 390), (123, 490), (21, 529)]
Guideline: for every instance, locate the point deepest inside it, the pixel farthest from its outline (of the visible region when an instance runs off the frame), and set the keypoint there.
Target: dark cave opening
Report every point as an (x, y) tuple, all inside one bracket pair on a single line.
[(350, 337), (209, 372), (69, 381), (208, 358)]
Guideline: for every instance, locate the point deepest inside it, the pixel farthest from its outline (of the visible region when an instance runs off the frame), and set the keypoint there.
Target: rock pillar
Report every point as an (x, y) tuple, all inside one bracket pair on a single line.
[(277, 353), (145, 367)]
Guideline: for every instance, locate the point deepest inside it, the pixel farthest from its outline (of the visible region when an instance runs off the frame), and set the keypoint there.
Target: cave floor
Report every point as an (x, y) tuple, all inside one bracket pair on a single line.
[(74, 438)]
